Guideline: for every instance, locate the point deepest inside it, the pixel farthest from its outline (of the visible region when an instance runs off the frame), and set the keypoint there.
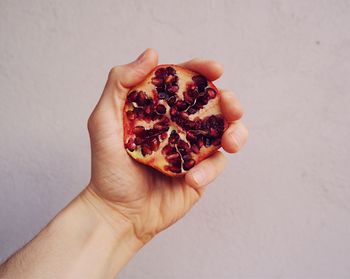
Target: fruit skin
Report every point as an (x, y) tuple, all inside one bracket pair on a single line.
[(157, 160)]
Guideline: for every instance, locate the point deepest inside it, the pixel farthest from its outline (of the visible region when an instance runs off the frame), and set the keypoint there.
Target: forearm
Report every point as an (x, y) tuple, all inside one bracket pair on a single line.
[(78, 243)]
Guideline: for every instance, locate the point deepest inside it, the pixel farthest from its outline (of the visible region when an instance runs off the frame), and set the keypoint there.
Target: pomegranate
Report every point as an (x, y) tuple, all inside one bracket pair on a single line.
[(172, 120)]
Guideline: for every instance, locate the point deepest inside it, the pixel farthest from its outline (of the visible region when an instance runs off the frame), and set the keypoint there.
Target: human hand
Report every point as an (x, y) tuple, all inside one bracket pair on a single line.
[(142, 196)]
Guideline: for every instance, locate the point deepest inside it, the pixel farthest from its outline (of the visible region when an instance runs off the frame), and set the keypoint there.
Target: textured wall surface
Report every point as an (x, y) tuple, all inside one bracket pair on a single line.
[(282, 207)]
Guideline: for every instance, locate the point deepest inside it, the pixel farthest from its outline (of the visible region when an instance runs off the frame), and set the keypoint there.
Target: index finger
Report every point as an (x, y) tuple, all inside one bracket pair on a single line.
[(211, 69)]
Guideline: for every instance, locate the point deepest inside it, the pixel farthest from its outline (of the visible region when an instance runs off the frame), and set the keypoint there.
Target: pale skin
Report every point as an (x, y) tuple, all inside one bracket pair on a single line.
[(125, 203)]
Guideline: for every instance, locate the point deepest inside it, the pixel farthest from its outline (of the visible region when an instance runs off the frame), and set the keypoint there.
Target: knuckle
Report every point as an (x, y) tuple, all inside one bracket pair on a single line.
[(113, 73)]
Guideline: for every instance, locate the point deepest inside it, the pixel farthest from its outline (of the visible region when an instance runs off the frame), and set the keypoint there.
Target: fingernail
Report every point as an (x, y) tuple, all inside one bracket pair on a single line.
[(141, 56), (198, 176), (237, 137)]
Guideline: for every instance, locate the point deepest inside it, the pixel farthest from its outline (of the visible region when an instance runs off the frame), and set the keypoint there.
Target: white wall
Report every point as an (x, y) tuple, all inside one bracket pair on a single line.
[(282, 207)]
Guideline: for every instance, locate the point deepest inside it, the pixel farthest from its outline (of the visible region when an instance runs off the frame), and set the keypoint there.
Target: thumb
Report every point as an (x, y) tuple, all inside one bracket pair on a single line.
[(126, 76), (107, 115)]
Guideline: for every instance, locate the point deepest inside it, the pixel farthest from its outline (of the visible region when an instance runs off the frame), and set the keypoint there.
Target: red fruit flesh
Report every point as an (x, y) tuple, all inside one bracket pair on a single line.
[(172, 120)]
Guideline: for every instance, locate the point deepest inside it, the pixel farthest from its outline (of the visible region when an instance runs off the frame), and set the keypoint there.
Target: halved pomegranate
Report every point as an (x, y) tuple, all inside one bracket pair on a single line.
[(172, 120)]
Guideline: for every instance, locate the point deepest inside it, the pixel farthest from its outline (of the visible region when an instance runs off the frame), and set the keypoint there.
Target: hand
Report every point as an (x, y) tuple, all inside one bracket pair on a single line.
[(147, 199)]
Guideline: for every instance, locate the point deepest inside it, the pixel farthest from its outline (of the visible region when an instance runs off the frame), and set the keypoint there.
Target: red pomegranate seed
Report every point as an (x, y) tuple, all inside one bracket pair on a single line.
[(171, 101), (191, 136), (217, 142), (181, 105), (183, 115), (132, 96), (188, 164), (131, 145), (160, 72), (175, 169), (167, 149), (154, 144), (160, 109), (212, 132), (138, 130), (138, 140), (211, 93), (157, 81), (173, 89), (200, 81), (173, 111), (195, 148), (148, 109), (146, 150), (173, 157)]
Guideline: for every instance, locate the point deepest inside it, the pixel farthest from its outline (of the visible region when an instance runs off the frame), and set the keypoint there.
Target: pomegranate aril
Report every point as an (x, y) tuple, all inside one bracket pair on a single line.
[(183, 115), (139, 113), (168, 149), (154, 144), (202, 101), (212, 132), (188, 164), (170, 71), (217, 142), (188, 99), (181, 105), (138, 140), (207, 142), (195, 148), (200, 81), (191, 136), (162, 95), (171, 101), (160, 72), (173, 111), (175, 169), (173, 89), (191, 110), (186, 157), (183, 144), (200, 142), (211, 93), (164, 135), (148, 109), (160, 109), (160, 126), (131, 145), (174, 137), (132, 96), (193, 92), (173, 157), (146, 150), (138, 130), (140, 98), (157, 81)]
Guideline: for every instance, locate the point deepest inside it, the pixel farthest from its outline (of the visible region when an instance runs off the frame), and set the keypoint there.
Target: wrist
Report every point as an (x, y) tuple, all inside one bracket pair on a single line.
[(107, 240), (109, 218)]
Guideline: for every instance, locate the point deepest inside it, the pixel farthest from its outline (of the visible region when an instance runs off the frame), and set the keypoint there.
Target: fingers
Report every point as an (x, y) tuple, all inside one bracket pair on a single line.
[(211, 69), (131, 74), (234, 137), (206, 171), (230, 106), (236, 134)]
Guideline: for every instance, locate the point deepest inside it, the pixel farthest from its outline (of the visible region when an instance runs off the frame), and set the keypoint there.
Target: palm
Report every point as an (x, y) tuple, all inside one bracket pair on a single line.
[(137, 191)]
